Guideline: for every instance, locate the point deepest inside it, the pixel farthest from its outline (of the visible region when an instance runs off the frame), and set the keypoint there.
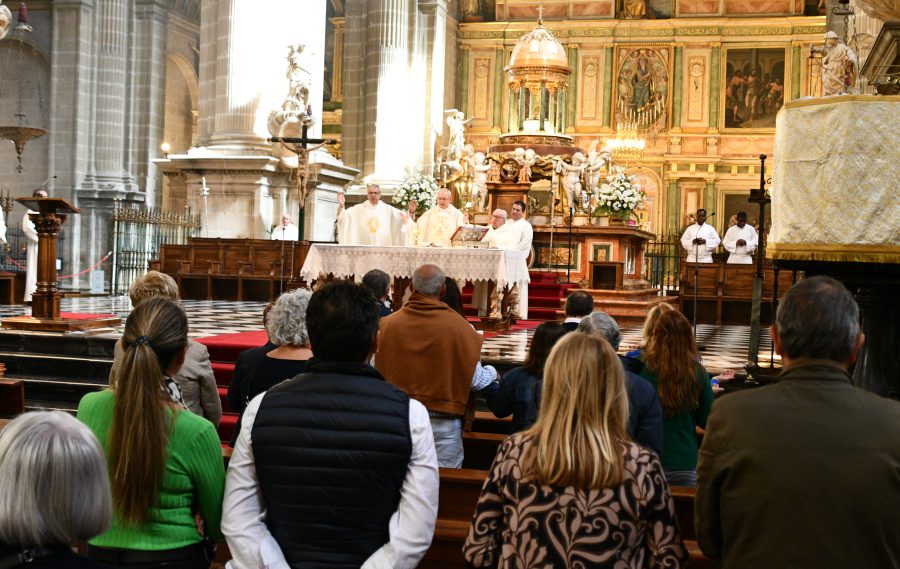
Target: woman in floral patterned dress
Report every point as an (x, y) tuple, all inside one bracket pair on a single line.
[(573, 490)]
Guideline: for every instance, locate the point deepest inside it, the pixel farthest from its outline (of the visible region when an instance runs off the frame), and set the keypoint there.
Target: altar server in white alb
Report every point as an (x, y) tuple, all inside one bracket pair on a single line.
[(373, 222), (525, 235), (438, 224), (741, 241), (501, 235), (700, 240)]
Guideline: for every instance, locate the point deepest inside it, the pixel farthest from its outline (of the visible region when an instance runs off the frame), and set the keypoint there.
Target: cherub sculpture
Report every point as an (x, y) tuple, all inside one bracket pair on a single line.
[(571, 180), (480, 169)]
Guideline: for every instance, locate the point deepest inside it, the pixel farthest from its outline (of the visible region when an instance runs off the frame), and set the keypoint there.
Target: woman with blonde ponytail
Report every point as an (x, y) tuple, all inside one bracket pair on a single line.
[(573, 490), (165, 463)]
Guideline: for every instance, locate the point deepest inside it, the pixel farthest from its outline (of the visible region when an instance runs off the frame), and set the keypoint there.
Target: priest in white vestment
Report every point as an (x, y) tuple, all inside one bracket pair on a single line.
[(513, 235), (700, 240), (31, 249), (525, 235), (500, 236), (741, 241), (373, 222), (438, 224), (287, 231)]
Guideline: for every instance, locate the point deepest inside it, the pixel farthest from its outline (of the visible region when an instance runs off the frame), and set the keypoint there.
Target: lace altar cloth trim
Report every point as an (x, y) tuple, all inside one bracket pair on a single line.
[(462, 264)]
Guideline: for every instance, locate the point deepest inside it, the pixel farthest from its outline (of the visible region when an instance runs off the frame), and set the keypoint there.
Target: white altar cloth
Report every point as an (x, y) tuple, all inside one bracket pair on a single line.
[(500, 266)]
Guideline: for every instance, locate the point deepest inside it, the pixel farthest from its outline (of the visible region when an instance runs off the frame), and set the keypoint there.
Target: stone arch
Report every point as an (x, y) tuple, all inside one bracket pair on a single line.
[(182, 100)]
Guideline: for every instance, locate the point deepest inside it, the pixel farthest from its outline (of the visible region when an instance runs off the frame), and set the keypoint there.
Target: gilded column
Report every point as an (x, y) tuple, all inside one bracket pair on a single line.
[(715, 88), (499, 63), (573, 87), (795, 72), (337, 83), (673, 206), (608, 71), (678, 88)]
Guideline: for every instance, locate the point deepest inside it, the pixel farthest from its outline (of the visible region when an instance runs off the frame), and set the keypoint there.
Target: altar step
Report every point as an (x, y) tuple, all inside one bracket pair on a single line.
[(544, 296)]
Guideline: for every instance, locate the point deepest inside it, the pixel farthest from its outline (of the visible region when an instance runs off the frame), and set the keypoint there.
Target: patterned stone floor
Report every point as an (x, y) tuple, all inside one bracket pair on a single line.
[(721, 347)]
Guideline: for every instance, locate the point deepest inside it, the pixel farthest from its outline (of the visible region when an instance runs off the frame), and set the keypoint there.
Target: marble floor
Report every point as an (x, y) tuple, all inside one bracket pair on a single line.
[(721, 347)]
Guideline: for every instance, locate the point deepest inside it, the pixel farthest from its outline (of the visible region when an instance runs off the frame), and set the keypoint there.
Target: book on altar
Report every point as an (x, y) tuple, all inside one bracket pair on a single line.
[(469, 236)]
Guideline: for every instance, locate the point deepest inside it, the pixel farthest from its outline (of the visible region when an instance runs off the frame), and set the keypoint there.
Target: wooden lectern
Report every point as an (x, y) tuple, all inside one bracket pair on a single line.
[(45, 300)]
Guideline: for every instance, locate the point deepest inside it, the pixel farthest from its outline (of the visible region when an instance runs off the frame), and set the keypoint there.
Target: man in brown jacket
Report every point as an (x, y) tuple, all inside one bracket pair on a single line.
[(805, 472), (431, 352)]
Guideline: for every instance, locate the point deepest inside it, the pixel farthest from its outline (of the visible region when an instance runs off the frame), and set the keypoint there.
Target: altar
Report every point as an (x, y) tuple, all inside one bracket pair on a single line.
[(463, 264)]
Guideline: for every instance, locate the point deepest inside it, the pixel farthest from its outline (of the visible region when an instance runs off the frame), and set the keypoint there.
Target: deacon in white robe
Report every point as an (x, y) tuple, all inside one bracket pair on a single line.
[(700, 240), (287, 231), (525, 235), (373, 222), (741, 241), (438, 224)]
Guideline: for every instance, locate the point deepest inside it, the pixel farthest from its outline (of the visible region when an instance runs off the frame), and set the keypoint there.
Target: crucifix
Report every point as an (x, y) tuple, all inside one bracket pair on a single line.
[(758, 196), (541, 15)]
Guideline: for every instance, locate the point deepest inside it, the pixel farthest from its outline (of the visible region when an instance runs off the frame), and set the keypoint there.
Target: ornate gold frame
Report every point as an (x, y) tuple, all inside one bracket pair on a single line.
[(670, 69), (723, 65)]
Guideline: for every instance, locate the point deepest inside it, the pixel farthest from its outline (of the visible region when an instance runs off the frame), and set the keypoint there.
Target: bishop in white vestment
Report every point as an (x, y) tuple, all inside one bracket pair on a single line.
[(287, 231), (700, 240), (373, 222), (438, 224), (741, 241)]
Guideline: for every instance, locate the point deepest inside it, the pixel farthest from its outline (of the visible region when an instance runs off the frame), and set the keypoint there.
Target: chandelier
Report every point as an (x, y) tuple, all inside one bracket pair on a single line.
[(20, 134), (627, 145)]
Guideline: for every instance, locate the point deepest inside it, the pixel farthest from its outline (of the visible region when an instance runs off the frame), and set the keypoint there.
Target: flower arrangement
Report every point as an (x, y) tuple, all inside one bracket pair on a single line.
[(417, 187), (619, 196)]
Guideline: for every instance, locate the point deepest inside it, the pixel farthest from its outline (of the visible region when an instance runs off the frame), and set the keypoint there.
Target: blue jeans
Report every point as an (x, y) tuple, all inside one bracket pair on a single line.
[(448, 441)]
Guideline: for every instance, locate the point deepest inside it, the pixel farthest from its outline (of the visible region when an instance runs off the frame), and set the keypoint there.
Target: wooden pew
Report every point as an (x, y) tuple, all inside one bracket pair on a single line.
[(459, 492), (479, 449)]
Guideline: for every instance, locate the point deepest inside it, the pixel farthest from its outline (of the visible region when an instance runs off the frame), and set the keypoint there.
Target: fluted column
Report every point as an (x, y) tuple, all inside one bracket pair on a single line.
[(209, 17), (433, 17), (109, 151)]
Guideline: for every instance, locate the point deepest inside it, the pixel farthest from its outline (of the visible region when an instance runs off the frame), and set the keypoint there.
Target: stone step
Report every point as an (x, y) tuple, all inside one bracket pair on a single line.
[(59, 392), (72, 344), (53, 365)]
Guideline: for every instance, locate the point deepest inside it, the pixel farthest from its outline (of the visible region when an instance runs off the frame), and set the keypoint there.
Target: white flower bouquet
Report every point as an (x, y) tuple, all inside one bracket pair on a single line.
[(619, 196), (419, 188)]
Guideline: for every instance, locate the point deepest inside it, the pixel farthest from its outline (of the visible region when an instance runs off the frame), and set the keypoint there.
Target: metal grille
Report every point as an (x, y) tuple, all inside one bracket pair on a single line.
[(138, 234), (662, 260), (14, 251)]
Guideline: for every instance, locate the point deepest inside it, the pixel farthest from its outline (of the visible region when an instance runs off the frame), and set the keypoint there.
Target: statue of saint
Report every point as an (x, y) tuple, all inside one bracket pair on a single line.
[(840, 67), (298, 77), (634, 9), (457, 122), (642, 84)]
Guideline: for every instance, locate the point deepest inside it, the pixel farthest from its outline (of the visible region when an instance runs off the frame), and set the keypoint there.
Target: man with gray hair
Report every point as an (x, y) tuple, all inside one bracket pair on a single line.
[(812, 459), (644, 410), (431, 352)]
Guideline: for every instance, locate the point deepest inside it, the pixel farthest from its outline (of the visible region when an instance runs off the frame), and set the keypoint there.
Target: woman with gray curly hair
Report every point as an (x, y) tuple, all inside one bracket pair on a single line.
[(257, 371), (55, 491)]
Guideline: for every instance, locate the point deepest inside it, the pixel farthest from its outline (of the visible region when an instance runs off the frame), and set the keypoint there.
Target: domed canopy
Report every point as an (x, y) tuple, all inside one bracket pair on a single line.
[(538, 57)]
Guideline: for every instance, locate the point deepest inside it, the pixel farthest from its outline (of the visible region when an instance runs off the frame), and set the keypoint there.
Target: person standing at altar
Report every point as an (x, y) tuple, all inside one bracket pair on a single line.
[(287, 231), (31, 248), (700, 240), (741, 241), (438, 224), (373, 222), (501, 235)]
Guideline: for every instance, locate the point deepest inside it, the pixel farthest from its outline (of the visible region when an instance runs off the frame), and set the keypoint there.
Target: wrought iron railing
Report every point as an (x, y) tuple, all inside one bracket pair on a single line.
[(12, 256), (662, 261), (138, 234)]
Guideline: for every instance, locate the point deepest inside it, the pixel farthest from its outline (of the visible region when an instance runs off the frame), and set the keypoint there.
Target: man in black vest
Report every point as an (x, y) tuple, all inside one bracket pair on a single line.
[(335, 467)]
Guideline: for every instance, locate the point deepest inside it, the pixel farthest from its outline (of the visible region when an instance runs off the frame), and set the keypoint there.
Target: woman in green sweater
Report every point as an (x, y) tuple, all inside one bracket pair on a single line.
[(165, 463), (671, 365)]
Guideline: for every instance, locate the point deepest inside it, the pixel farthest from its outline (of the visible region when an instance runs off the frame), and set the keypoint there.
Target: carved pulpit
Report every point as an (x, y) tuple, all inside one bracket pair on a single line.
[(45, 315)]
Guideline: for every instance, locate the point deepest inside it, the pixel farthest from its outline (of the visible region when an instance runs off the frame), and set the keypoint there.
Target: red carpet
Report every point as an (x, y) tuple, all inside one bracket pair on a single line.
[(226, 347)]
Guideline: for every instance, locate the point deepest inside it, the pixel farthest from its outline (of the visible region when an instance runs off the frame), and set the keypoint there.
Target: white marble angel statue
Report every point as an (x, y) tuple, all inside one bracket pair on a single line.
[(480, 170), (840, 66), (596, 161), (571, 179)]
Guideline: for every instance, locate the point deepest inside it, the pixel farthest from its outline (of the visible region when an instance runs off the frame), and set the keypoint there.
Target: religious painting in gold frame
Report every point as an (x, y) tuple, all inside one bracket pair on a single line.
[(642, 90), (755, 87)]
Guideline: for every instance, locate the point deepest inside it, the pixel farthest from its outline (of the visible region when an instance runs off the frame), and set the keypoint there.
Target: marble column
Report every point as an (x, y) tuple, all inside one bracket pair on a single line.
[(243, 76), (608, 71), (337, 83), (433, 30), (715, 88), (677, 88)]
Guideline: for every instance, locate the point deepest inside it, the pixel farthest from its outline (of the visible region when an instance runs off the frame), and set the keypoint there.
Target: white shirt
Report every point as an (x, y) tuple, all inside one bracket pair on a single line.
[(705, 251), (410, 529), (288, 232), (740, 254)]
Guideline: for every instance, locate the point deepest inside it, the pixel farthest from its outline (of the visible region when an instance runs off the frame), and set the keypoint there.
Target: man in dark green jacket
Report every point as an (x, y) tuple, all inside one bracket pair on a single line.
[(806, 472)]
